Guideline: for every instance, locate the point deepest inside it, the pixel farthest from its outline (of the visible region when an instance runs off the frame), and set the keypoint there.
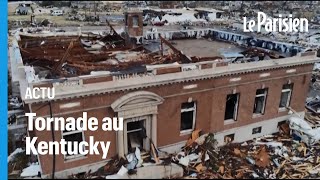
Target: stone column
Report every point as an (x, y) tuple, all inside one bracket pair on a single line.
[(120, 144), (148, 125), (154, 129)]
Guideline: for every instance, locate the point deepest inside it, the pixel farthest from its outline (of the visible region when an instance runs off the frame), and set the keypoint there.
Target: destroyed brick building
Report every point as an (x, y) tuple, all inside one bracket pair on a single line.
[(167, 88)]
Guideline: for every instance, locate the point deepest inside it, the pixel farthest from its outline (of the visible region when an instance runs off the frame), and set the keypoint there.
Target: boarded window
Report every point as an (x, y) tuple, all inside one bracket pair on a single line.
[(188, 115), (285, 95), (260, 101), (231, 106), (256, 130)]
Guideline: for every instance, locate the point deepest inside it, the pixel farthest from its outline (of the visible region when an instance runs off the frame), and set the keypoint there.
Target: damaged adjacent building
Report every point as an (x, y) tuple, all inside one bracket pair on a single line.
[(24, 9), (185, 15), (162, 84)]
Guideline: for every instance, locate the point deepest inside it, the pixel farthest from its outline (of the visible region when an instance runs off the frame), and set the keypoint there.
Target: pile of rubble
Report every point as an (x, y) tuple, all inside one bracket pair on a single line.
[(313, 113), (137, 165), (280, 155), (82, 17), (14, 102)]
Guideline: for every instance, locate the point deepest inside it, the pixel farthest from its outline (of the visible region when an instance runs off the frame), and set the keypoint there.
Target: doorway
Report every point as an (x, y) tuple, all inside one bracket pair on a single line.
[(137, 134)]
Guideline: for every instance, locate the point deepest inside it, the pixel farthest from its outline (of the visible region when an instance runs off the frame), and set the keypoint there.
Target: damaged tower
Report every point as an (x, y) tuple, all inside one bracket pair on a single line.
[(133, 27)]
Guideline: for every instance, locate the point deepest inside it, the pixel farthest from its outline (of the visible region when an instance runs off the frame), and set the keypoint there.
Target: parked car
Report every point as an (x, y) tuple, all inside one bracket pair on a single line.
[(57, 13)]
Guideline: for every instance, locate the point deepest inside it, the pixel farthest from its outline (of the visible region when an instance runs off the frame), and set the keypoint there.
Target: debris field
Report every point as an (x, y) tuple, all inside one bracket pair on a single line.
[(283, 155)]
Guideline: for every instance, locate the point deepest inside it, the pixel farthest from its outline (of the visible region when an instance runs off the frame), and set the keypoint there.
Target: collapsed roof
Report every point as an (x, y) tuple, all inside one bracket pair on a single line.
[(73, 56), (69, 56)]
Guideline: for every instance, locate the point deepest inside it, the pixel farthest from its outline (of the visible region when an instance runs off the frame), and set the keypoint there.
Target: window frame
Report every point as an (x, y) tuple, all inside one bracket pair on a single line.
[(192, 109), (265, 95), (235, 114), (75, 156), (290, 89)]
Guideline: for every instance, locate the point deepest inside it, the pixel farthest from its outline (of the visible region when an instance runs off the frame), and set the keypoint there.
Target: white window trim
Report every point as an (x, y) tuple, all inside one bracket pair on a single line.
[(229, 121), (76, 156), (264, 103), (135, 130), (288, 100), (235, 114), (194, 109)]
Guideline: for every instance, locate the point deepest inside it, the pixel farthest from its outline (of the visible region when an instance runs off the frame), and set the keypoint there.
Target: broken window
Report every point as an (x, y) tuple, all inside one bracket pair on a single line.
[(136, 134), (135, 20), (260, 101), (73, 136), (228, 138), (188, 116), (256, 130), (285, 95), (231, 107)]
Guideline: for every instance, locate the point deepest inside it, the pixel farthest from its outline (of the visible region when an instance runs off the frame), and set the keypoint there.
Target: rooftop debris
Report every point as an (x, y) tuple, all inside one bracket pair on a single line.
[(52, 57), (107, 53), (261, 53)]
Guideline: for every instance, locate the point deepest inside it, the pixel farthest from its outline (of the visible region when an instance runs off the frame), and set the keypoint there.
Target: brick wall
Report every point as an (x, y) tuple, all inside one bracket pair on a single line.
[(210, 95), (135, 30)]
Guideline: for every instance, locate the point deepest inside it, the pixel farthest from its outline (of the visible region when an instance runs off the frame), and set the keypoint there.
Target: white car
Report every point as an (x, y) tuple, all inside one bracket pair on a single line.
[(57, 13)]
